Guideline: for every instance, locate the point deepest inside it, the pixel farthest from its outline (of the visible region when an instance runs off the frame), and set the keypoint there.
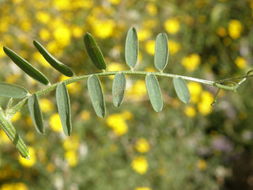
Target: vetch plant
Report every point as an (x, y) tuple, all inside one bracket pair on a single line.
[(94, 86)]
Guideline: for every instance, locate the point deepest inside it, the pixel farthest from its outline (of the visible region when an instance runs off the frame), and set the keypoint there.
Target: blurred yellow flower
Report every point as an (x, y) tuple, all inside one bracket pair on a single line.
[(201, 164), (31, 161), (114, 2), (62, 35), (190, 111), (46, 105), (39, 58), (117, 123), (14, 186), (235, 29), (71, 157), (205, 103), (191, 62), (127, 115), (77, 31), (150, 47), (241, 62), (172, 25), (103, 28), (62, 4), (71, 143), (144, 34), (137, 91), (151, 9), (55, 122), (44, 34), (3, 137), (174, 47), (143, 188), (140, 164), (221, 31), (195, 91), (16, 117), (85, 115), (42, 17), (142, 145)]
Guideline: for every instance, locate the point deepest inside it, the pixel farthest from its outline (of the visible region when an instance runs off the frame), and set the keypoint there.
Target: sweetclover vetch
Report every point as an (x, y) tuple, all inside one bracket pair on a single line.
[(95, 91)]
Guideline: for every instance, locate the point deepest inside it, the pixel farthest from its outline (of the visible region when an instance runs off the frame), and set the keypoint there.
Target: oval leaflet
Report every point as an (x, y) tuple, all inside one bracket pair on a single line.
[(161, 51), (118, 89), (26, 66), (63, 106), (96, 95), (35, 112), (131, 48), (12, 91), (154, 92), (181, 89)]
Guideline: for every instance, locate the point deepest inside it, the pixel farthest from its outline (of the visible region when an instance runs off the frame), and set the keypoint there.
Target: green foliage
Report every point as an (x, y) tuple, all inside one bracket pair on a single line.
[(63, 105), (161, 51), (131, 48)]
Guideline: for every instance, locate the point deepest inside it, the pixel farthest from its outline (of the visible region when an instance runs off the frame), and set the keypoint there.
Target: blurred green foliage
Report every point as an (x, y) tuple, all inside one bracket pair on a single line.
[(193, 146)]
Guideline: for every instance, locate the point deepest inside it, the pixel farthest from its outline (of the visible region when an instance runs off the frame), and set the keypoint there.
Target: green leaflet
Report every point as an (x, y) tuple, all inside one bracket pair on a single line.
[(94, 51), (63, 105), (118, 89), (131, 48), (161, 51), (35, 112), (181, 90), (25, 66), (12, 91), (96, 95), (11, 132), (154, 92), (59, 66)]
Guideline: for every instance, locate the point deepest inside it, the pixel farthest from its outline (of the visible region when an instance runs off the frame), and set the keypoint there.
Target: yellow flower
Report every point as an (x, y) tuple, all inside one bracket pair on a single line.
[(62, 35), (39, 58), (71, 157), (144, 34), (190, 111), (143, 188), (201, 165), (71, 143), (77, 31), (85, 115), (140, 164), (16, 117), (191, 62), (114, 2), (137, 90), (55, 122), (142, 145), (117, 123), (195, 91), (150, 47), (103, 28), (240, 62), (205, 104), (62, 4), (42, 17), (127, 115), (174, 47), (172, 26), (235, 29), (14, 186), (151, 9), (3, 137), (221, 31), (46, 105), (31, 161), (44, 34)]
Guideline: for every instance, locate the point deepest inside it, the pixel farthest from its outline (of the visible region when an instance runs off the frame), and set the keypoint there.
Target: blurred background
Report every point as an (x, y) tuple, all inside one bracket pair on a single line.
[(191, 147)]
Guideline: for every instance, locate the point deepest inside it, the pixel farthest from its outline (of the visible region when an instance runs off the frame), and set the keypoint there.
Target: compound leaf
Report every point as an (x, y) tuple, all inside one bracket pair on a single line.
[(131, 48), (12, 91), (154, 92), (96, 95), (59, 66), (118, 89), (35, 112), (94, 51), (63, 105), (26, 66), (161, 51), (181, 89)]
